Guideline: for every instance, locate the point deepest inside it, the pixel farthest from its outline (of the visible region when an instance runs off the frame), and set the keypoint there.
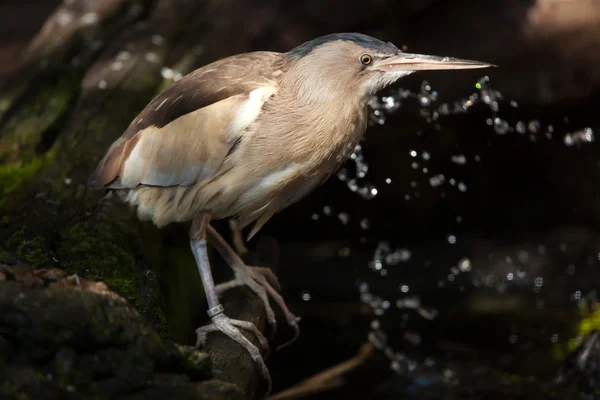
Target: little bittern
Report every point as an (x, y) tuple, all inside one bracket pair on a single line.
[(246, 136)]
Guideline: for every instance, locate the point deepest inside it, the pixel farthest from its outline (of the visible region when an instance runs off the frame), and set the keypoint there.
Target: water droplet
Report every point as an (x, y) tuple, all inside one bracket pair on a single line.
[(501, 126), (436, 180), (158, 40), (342, 174), (152, 58), (539, 282), (398, 256), (464, 264), (451, 239), (378, 338), (413, 338), (305, 295), (533, 126), (344, 218), (429, 314), (444, 109), (459, 159), (344, 252), (583, 136), (365, 223)]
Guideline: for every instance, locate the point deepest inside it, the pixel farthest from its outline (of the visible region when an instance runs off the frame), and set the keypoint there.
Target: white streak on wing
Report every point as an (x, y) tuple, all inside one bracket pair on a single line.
[(269, 182), (276, 178), (161, 104), (305, 188), (249, 111), (133, 167)]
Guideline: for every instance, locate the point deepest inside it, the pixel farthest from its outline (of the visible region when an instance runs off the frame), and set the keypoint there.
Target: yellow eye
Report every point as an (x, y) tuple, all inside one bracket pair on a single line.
[(365, 59)]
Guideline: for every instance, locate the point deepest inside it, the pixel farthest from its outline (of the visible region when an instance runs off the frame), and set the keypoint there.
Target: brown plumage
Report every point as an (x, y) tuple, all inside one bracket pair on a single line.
[(245, 137), (177, 159)]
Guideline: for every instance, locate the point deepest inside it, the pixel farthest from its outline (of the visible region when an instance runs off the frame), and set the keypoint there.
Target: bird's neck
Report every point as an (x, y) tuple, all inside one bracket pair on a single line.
[(311, 86), (318, 127)]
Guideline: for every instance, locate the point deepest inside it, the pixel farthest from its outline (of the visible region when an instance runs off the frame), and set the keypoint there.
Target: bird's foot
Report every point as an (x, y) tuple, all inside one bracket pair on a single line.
[(264, 283), (222, 323)]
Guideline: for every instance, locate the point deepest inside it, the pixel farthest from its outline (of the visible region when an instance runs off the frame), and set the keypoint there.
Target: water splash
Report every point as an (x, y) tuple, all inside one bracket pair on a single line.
[(506, 273)]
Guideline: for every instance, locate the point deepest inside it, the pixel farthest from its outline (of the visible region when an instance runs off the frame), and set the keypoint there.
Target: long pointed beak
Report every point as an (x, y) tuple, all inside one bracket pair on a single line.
[(422, 62)]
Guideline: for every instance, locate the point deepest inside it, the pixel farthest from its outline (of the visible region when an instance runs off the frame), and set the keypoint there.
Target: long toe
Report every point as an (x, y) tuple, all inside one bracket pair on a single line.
[(250, 327), (258, 288), (228, 327), (268, 274), (291, 319)]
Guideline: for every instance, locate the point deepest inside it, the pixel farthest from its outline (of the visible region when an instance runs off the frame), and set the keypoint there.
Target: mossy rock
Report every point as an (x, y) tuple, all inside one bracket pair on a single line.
[(66, 337)]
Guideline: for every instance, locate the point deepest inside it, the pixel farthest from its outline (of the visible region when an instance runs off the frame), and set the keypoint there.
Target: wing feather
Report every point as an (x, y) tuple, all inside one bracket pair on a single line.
[(184, 134)]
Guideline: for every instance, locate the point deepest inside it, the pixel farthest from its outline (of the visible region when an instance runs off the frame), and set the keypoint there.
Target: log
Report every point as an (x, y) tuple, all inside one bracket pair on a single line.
[(75, 92)]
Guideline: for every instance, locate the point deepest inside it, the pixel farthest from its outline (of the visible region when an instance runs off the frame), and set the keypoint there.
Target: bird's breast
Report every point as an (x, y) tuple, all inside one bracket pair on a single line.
[(348, 133), (287, 154)]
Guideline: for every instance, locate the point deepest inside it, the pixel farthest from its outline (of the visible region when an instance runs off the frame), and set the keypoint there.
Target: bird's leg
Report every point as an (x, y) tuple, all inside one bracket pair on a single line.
[(261, 281), (221, 322)]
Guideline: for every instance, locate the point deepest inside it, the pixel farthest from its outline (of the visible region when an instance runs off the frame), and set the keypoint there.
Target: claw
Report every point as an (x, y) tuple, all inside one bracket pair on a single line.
[(257, 280), (242, 279), (262, 281), (291, 319), (229, 327)]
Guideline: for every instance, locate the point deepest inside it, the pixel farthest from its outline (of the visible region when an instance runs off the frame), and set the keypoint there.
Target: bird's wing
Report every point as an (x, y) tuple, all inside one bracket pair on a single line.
[(186, 132)]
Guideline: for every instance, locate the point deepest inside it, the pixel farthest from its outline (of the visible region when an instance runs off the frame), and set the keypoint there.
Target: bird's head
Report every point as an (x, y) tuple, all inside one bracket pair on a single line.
[(353, 64)]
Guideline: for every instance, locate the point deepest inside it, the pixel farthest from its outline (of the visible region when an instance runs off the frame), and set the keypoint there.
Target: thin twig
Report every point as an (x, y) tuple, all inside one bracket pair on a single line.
[(326, 380)]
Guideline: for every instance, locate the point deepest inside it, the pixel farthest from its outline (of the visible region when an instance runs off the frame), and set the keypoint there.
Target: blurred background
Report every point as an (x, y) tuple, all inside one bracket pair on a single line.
[(461, 241)]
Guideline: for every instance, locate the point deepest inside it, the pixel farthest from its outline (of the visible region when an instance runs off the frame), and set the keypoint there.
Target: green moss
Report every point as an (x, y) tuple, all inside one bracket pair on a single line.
[(32, 251), (23, 130), (8, 96), (16, 175), (194, 363), (126, 287), (96, 254)]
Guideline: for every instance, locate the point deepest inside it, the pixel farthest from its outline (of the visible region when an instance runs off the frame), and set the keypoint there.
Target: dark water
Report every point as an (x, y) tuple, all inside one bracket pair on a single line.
[(474, 267)]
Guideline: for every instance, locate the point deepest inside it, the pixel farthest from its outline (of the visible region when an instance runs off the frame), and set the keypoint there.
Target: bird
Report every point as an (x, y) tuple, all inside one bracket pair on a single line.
[(244, 137)]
